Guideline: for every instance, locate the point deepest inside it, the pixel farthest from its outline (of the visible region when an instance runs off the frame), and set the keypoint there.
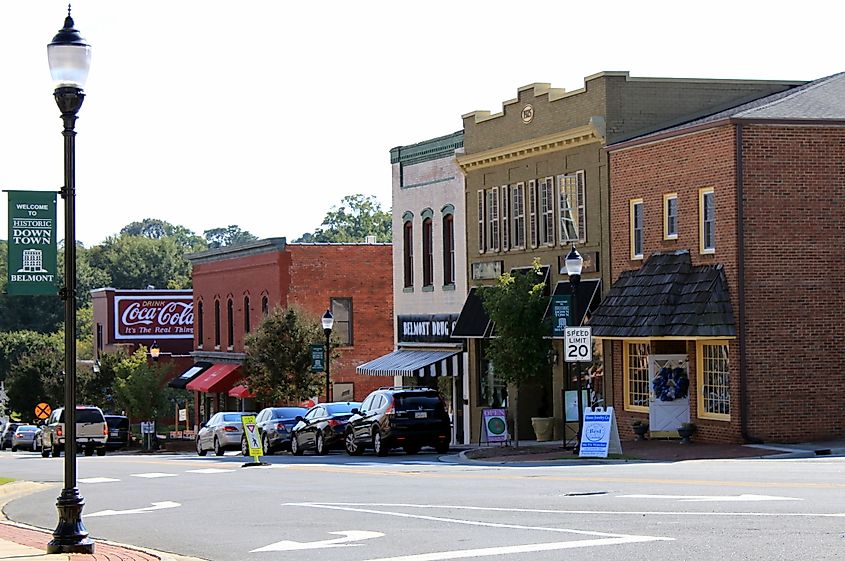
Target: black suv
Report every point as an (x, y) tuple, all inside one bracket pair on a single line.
[(118, 426), (399, 417)]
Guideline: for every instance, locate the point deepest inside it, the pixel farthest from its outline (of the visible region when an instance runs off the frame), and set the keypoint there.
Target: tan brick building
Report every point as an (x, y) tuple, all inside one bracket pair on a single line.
[(753, 200)]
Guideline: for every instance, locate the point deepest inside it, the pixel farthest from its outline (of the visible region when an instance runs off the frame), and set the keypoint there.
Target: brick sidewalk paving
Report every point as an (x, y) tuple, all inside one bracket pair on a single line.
[(38, 539)]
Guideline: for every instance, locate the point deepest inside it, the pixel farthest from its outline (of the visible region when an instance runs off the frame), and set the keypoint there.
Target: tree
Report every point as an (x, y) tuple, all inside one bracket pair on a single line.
[(357, 217), (222, 237), (139, 386), (518, 351), (155, 229), (34, 363), (278, 361), (138, 262)]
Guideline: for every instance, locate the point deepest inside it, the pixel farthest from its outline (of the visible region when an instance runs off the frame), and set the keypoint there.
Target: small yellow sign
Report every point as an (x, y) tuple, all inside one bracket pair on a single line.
[(253, 440), (42, 411)]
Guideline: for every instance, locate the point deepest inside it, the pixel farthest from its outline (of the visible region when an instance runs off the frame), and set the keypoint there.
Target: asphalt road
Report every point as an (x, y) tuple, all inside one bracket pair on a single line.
[(418, 508)]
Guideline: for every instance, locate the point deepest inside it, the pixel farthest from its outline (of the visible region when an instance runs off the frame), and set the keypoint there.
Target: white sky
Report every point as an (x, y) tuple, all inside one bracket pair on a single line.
[(265, 113)]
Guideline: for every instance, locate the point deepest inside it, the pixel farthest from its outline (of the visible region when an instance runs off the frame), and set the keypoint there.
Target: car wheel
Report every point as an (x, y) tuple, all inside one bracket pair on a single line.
[(218, 450), (265, 446), (200, 450), (441, 447), (411, 448), (378, 444), (320, 445), (352, 447), (101, 451), (45, 452), (244, 447), (295, 448), (57, 451), (14, 448)]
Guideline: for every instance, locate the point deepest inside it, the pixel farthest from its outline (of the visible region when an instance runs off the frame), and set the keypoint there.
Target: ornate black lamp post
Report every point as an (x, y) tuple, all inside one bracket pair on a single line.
[(69, 57), (574, 263), (328, 323)]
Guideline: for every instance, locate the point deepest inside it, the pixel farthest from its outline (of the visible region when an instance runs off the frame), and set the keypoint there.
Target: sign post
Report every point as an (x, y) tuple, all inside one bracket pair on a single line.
[(253, 440)]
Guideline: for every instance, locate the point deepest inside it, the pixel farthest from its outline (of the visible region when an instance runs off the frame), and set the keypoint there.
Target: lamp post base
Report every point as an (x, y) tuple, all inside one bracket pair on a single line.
[(70, 536)]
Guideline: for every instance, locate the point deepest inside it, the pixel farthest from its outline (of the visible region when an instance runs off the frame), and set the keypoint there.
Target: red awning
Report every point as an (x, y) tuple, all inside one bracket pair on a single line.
[(217, 379), (241, 392)]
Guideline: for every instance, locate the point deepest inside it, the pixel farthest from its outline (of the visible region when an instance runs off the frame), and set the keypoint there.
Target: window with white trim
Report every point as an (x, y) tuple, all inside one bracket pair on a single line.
[(670, 216), (571, 210), (547, 210), (636, 378), (637, 228), (428, 252), (506, 227), (493, 216), (707, 220), (518, 211), (713, 380), (532, 212), (448, 249), (408, 253), (482, 228)]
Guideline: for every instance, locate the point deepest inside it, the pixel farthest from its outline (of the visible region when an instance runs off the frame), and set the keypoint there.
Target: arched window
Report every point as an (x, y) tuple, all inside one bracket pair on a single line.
[(428, 253), (217, 324), (408, 253), (200, 319), (246, 315), (449, 250), (265, 306), (230, 323)]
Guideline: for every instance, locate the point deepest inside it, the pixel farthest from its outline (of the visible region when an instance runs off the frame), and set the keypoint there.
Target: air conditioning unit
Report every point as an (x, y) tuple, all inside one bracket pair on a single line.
[(370, 239)]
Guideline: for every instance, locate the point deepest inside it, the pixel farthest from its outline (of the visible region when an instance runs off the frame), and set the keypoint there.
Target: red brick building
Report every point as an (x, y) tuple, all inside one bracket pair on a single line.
[(234, 287), (728, 248)]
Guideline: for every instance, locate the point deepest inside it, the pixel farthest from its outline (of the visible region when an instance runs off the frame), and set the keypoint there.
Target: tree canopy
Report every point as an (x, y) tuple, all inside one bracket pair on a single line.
[(231, 235), (357, 217)]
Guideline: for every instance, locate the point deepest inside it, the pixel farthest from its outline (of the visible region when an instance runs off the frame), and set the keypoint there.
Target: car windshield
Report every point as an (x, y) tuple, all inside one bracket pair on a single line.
[(233, 417), (288, 412), (117, 422), (85, 416), (341, 408), (26, 428), (407, 402)]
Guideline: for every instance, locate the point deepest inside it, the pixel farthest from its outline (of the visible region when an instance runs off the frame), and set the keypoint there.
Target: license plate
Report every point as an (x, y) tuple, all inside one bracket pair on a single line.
[(420, 415), (113, 433)]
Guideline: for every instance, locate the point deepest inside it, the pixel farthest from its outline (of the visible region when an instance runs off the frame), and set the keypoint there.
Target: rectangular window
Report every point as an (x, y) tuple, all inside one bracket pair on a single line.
[(449, 250), (713, 377), (571, 209), (547, 210), (636, 376), (481, 224), (492, 387), (532, 212), (637, 228), (428, 252), (493, 210), (670, 216), (707, 220), (506, 227), (408, 253), (518, 212), (342, 328)]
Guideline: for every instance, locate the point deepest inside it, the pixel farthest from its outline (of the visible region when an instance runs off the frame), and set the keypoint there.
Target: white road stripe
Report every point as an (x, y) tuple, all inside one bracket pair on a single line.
[(98, 480), (210, 470), (153, 475)]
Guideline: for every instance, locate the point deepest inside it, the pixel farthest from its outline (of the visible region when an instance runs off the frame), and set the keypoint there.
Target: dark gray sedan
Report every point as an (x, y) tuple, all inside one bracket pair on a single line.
[(274, 425), (23, 438)]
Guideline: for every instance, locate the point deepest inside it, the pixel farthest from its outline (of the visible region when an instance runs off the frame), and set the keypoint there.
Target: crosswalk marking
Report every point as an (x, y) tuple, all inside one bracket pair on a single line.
[(98, 480), (153, 475)]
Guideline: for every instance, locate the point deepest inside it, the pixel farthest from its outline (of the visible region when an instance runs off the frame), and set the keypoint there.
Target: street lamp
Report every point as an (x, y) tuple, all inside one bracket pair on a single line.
[(328, 323), (69, 57), (574, 263), (154, 351)]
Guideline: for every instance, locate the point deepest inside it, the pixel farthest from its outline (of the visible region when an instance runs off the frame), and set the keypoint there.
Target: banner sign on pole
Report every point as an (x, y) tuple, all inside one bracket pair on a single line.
[(318, 358), (495, 424), (32, 243), (561, 312)]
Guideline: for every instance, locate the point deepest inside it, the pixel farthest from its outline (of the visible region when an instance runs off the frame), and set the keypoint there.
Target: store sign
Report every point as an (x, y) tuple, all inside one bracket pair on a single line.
[(153, 316), (495, 424), (599, 434), (32, 243), (432, 328)]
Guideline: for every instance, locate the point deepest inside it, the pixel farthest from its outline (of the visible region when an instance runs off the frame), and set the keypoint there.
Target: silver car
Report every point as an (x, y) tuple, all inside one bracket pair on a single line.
[(23, 438), (222, 432)]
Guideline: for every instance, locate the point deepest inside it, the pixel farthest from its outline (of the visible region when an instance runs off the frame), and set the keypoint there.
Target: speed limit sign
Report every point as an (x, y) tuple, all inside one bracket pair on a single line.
[(578, 344)]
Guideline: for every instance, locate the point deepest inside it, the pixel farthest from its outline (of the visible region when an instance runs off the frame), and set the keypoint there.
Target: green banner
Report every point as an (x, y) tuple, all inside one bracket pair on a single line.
[(318, 358), (32, 243), (561, 314)]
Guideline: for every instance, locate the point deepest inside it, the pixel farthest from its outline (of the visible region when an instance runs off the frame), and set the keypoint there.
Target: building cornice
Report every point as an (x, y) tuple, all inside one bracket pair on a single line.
[(236, 251), (556, 142)]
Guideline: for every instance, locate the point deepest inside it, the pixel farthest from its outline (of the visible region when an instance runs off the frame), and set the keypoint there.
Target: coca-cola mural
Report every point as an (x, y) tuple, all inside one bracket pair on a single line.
[(153, 317)]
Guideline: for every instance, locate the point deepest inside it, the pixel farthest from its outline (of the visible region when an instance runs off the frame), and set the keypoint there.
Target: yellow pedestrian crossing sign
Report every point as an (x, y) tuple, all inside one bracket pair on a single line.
[(253, 439)]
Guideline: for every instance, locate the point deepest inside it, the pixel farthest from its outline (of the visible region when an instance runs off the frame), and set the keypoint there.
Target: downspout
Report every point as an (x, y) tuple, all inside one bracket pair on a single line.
[(740, 281)]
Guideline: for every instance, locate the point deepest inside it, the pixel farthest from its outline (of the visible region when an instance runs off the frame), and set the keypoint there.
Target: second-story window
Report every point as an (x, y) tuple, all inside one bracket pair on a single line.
[(200, 321), (265, 306), (408, 254), (707, 220), (493, 219), (518, 212), (449, 249), (342, 312), (217, 324), (547, 211), (428, 252), (246, 315), (637, 228), (230, 324)]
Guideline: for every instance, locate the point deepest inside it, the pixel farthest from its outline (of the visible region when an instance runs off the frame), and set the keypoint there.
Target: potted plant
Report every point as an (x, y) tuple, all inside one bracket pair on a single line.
[(686, 430), (640, 428)]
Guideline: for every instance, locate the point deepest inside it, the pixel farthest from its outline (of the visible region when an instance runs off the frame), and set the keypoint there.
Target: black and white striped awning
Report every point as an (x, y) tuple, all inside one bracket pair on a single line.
[(407, 362)]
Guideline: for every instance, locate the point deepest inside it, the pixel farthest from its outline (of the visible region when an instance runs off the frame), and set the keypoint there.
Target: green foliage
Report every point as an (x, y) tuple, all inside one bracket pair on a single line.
[(155, 229), (136, 262), (356, 217), (34, 363), (516, 305), (278, 361), (232, 235), (139, 386)]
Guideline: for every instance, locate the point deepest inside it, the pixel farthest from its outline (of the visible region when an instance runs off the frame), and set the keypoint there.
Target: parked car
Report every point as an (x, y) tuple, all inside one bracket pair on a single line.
[(274, 425), (322, 428), (118, 431), (91, 431), (222, 432), (7, 434), (36, 439), (23, 437), (399, 416)]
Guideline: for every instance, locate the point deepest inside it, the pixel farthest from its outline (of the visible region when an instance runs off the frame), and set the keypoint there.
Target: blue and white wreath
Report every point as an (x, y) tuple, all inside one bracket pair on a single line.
[(670, 384)]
